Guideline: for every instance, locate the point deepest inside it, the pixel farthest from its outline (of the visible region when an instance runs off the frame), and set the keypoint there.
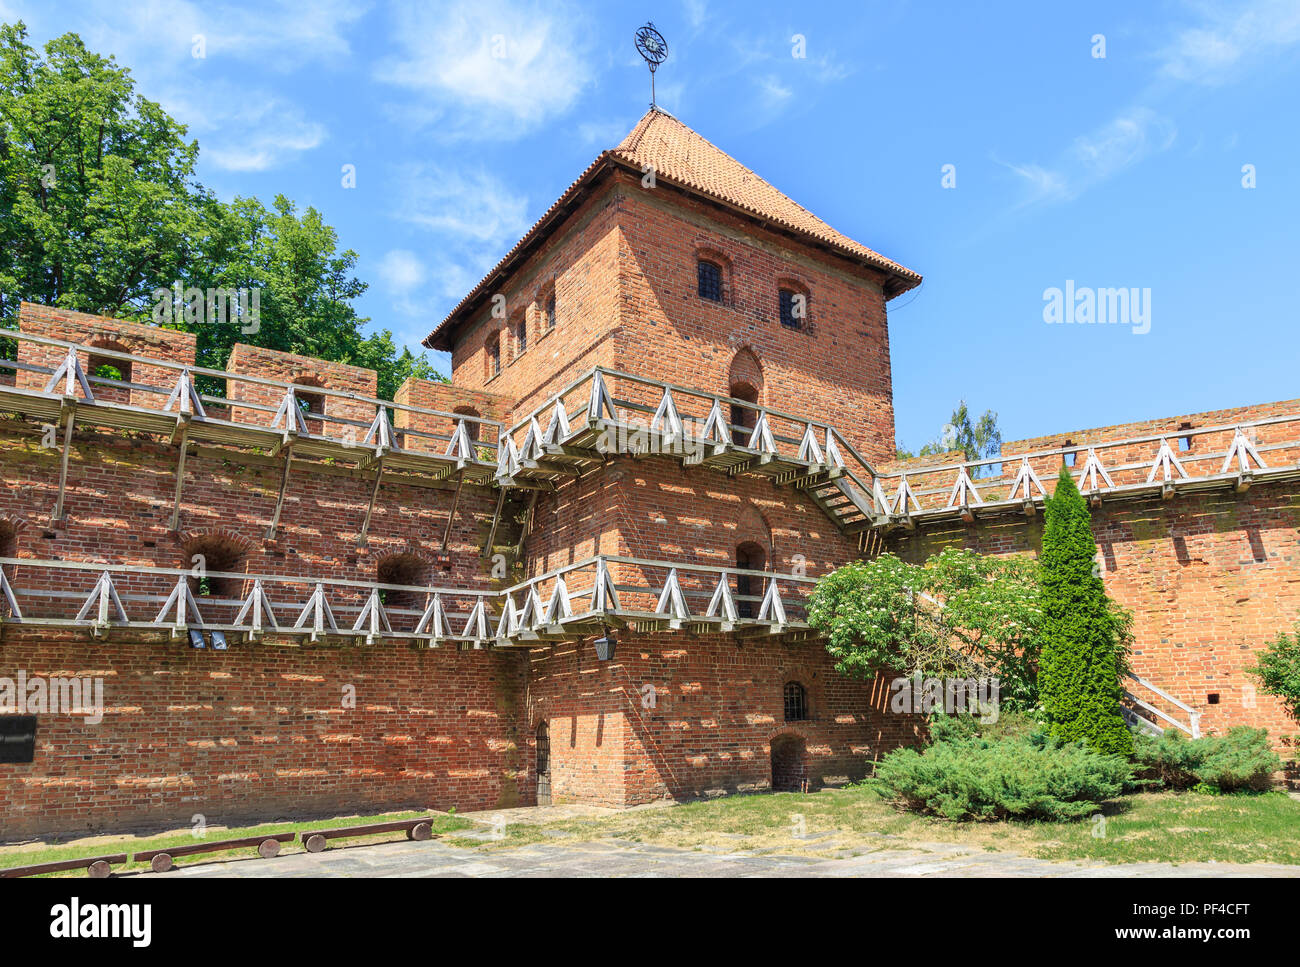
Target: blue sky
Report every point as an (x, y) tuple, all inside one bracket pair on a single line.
[(1117, 171)]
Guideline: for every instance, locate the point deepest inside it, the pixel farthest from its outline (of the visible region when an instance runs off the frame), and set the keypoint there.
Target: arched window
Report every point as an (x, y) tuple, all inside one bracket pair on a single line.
[(106, 367), (744, 382), (521, 334), (793, 308), (796, 702), (405, 569), (709, 276), (749, 557), (743, 417), (471, 427), (493, 356), (209, 556), (311, 404)]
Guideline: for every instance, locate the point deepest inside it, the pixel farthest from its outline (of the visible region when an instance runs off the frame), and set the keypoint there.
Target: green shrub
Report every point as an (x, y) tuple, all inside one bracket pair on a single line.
[(1009, 725), (1241, 759), (1027, 776)]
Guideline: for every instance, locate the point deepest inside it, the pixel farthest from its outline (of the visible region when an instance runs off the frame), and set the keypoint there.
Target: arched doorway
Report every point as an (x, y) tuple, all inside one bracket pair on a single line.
[(789, 762), (744, 382), (543, 763)]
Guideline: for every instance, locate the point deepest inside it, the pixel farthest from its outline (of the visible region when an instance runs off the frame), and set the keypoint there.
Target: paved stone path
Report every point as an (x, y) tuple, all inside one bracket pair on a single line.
[(614, 858)]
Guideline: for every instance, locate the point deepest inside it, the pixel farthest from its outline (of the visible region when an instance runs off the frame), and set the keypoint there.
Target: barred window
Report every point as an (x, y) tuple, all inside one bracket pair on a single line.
[(550, 311), (710, 278), (521, 337), (794, 308), (494, 355), (796, 702)]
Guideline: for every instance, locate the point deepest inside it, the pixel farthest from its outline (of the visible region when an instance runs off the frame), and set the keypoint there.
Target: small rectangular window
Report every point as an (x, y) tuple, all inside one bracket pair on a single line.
[(550, 311), (521, 337), (17, 738), (796, 702), (710, 279), (494, 357)]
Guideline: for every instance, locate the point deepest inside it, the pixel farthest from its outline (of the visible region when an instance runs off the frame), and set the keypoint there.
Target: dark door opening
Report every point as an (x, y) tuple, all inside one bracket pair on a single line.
[(543, 764), (749, 557), (789, 763), (743, 418)]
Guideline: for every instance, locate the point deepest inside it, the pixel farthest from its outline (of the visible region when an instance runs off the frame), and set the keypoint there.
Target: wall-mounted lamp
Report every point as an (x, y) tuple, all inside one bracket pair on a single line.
[(605, 645)]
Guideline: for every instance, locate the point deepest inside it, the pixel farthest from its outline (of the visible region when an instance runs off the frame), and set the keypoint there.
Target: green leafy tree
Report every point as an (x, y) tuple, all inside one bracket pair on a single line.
[(959, 614), (100, 212), (1078, 677), (976, 440), (98, 201), (1278, 670), (306, 291)]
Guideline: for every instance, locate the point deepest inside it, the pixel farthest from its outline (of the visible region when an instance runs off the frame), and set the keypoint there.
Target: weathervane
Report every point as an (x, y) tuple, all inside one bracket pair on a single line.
[(651, 45)]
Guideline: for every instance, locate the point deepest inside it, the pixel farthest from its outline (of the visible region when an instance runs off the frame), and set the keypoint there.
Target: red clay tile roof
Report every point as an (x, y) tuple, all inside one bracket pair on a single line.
[(683, 158)]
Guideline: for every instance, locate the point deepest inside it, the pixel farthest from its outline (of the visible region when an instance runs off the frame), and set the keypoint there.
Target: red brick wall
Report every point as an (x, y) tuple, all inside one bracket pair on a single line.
[(238, 735), (580, 265), (303, 370), (1210, 578), (115, 334), (837, 369), (718, 706), (261, 733), (429, 395)]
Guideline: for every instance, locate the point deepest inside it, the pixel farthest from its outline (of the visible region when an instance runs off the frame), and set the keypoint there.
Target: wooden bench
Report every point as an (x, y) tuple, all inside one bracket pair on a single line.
[(416, 829), (160, 860), (95, 866)]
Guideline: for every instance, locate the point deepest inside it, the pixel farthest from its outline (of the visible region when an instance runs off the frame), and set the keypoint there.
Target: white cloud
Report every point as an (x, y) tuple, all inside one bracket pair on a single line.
[(1230, 39), (152, 34), (697, 12), (1123, 141), (401, 271), (1042, 183), (474, 206), (403, 274), (472, 219), (488, 68), (1102, 153), (241, 130), (774, 93)]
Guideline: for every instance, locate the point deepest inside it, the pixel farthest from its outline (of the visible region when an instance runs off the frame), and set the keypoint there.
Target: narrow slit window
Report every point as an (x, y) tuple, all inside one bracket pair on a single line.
[(794, 308)]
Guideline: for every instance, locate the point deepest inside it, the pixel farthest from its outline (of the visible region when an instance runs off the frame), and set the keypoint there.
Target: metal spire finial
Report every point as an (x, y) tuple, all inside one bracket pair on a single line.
[(650, 44)]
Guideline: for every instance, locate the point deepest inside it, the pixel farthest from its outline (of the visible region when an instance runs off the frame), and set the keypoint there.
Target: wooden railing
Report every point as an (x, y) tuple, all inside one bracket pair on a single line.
[(1162, 464), (212, 608)]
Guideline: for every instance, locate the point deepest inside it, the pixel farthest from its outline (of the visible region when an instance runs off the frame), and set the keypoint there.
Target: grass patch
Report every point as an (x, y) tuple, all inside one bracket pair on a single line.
[(30, 854), (1167, 827)]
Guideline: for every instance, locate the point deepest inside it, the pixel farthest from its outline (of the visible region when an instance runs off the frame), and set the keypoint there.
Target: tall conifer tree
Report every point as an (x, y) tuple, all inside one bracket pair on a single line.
[(1078, 679)]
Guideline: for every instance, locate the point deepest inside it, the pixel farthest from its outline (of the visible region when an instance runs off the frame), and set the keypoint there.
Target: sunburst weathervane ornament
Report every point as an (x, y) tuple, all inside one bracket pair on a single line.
[(650, 44)]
